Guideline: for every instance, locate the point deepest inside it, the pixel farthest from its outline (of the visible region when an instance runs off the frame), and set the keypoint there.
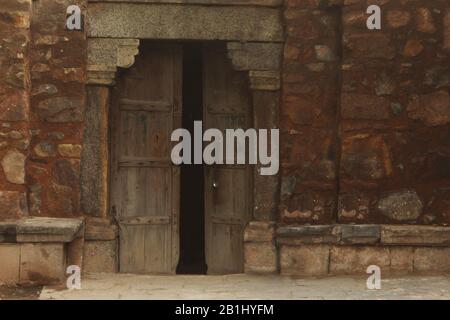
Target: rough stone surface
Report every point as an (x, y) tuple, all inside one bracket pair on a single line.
[(42, 263), (259, 231), (305, 260), (354, 260), (13, 204), (432, 260), (184, 22), (69, 150), (433, 109), (260, 257), (100, 256), (10, 257), (307, 235), (13, 164), (48, 229), (360, 234), (401, 206), (415, 235)]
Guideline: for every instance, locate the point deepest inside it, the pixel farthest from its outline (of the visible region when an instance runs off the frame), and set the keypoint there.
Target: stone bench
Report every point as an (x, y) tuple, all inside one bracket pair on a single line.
[(38, 250)]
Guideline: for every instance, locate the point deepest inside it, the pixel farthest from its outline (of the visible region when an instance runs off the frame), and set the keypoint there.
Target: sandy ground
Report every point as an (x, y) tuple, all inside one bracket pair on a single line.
[(124, 286)]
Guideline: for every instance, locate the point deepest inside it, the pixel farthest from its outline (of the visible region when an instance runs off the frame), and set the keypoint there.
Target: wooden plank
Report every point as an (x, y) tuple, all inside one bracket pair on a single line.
[(145, 105), (147, 101), (143, 220), (228, 193)]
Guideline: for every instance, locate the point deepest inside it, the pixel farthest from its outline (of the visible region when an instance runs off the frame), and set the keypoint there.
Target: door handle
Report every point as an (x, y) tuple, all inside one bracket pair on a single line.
[(215, 184)]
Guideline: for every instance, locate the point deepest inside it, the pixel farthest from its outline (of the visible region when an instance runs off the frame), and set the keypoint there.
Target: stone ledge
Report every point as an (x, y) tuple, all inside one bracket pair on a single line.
[(389, 235), (413, 235), (296, 235), (37, 229)]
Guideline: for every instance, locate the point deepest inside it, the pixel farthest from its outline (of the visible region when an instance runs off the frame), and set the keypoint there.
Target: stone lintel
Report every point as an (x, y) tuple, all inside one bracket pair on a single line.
[(184, 22), (261, 3)]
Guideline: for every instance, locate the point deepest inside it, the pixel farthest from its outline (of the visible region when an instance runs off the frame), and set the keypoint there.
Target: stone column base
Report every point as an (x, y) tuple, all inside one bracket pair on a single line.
[(260, 253)]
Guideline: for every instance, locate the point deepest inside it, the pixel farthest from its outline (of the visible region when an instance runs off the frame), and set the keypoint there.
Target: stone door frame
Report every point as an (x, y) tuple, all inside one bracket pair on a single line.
[(261, 58)]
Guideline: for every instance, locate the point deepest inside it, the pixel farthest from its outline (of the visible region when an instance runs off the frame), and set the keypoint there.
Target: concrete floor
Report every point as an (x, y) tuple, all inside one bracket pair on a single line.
[(124, 286)]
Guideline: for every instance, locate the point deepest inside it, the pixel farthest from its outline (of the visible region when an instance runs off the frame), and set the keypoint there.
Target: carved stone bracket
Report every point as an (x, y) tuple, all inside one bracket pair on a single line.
[(105, 55), (261, 59)]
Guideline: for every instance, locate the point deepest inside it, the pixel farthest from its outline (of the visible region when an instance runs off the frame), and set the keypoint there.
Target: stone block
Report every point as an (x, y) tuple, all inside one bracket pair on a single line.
[(100, 229), (10, 263), (355, 260), (260, 257), (176, 21), (402, 259), (48, 229), (259, 231), (306, 260), (364, 107), (296, 235), (415, 235), (432, 260), (42, 263), (360, 234), (100, 256), (401, 206)]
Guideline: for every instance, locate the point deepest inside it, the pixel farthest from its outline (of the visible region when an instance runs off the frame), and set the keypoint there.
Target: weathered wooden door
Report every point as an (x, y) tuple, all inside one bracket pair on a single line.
[(146, 108), (227, 187)]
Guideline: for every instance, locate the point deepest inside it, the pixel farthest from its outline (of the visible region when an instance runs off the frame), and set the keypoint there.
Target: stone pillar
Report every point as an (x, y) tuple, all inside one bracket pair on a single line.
[(262, 61), (105, 56)]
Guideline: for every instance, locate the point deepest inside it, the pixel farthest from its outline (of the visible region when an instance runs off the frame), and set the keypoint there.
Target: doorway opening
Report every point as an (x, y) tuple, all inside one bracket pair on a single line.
[(192, 198)]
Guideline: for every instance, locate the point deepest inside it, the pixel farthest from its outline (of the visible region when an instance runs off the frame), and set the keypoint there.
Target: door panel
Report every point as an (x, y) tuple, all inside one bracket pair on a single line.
[(145, 185), (227, 187)]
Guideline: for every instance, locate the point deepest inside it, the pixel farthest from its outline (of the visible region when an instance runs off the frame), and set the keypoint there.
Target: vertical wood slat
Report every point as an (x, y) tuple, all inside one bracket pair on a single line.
[(227, 207), (145, 185)]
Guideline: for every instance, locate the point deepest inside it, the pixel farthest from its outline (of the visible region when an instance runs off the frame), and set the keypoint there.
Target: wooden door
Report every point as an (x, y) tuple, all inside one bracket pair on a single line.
[(146, 109), (227, 187)]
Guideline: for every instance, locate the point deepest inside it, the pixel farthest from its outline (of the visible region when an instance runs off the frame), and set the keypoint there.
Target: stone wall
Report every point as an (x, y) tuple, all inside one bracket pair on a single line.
[(14, 106), (366, 113), (364, 119), (58, 63)]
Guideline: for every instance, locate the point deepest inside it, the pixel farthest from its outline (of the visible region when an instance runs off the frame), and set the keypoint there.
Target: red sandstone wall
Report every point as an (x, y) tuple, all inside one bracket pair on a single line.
[(386, 138), (365, 114), (58, 71), (14, 106)]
